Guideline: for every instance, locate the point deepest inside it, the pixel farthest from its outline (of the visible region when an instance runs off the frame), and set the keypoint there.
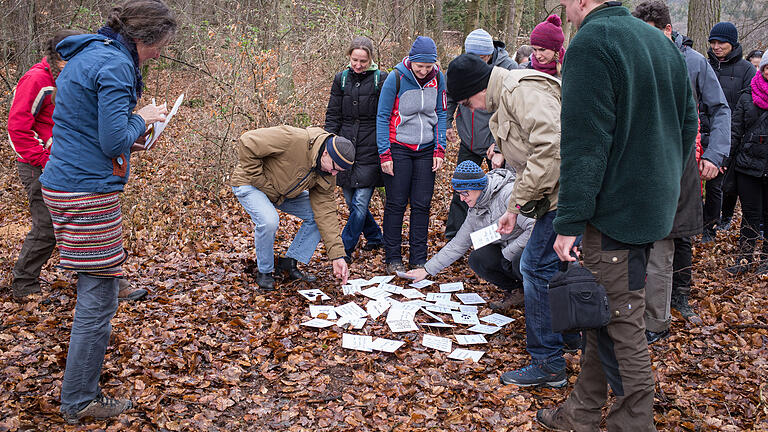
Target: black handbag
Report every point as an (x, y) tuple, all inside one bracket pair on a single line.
[(576, 301)]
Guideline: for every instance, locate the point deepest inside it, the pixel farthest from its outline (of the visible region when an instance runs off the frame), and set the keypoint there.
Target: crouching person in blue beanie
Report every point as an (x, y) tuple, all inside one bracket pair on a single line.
[(487, 196)]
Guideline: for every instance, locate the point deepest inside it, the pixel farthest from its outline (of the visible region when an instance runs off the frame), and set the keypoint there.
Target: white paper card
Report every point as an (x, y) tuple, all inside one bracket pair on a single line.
[(356, 342), (386, 345), (394, 289), (314, 295), (399, 326), (431, 315), (376, 307), (437, 342), (485, 329), (315, 310), (463, 354), (350, 289), (159, 127), (439, 309), (450, 304), (351, 322), (484, 236), (470, 339), (317, 323), (451, 287), (412, 293), (358, 282), (464, 318), (421, 284), (404, 275), (470, 298), (375, 293), (380, 279), (497, 319), (439, 325), (468, 309), (351, 309), (438, 297)]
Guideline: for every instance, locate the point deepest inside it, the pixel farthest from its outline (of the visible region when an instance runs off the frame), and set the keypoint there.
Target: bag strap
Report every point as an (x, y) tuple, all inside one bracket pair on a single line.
[(344, 79), (397, 86)]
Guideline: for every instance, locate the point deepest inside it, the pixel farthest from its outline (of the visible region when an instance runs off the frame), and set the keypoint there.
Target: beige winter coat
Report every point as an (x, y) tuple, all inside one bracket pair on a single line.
[(281, 161), (526, 127)]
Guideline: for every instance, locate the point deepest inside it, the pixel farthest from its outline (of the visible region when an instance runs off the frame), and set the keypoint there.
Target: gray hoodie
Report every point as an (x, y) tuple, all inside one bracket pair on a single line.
[(472, 127), (491, 205)]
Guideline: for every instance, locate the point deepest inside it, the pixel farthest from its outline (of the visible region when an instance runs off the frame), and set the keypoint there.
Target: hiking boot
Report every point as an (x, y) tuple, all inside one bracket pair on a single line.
[(724, 225), (554, 419), (372, 246), (680, 304), (511, 299), (99, 409), (572, 345), (20, 292), (127, 292), (394, 267), (535, 375), (265, 281), (708, 236), (652, 336), (289, 266)]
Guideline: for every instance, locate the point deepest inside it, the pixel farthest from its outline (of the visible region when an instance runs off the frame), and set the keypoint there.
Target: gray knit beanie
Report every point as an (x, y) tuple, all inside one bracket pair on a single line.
[(479, 42), (763, 61)]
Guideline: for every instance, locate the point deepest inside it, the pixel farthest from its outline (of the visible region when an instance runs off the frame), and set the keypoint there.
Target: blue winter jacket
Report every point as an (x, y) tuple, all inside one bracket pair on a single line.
[(415, 116), (94, 127)]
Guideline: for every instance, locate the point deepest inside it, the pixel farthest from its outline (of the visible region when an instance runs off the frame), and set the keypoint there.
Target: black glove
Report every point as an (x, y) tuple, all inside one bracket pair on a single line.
[(536, 209)]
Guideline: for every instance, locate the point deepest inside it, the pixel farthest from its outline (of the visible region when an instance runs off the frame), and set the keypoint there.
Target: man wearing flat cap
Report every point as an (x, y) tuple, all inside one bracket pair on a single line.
[(292, 170)]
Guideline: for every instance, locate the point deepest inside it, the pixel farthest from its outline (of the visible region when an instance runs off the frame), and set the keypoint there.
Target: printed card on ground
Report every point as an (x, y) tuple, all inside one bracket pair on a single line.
[(394, 289), (497, 319), (399, 326), (358, 282), (351, 322), (386, 345), (437, 342), (485, 329), (439, 325), (380, 279), (464, 318), (412, 293), (350, 289), (463, 354), (329, 311), (421, 284), (485, 236), (470, 339), (375, 293), (377, 307), (356, 342), (351, 309), (468, 309), (470, 298), (451, 287), (317, 323), (439, 309), (314, 295), (450, 304), (438, 297)]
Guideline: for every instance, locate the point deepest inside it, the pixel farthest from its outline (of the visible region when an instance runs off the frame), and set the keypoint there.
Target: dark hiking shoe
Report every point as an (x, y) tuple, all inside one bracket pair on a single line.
[(127, 292), (724, 225), (511, 299), (20, 292), (535, 375), (652, 336), (265, 281), (372, 246), (289, 266), (99, 409), (554, 419), (394, 267), (680, 304), (572, 345), (738, 269), (708, 236)]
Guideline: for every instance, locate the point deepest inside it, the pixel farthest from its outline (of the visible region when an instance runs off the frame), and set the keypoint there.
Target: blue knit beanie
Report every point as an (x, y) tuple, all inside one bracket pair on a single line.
[(479, 42), (724, 32), (469, 176), (423, 50)]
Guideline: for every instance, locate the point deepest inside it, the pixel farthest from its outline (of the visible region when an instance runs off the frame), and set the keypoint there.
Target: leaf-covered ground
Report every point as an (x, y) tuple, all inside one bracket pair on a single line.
[(208, 351)]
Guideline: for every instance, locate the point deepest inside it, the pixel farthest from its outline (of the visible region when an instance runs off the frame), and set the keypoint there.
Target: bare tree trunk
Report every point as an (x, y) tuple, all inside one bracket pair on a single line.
[(517, 22), (540, 9), (509, 19), (567, 29), (439, 28), (470, 21), (702, 16), (285, 67)]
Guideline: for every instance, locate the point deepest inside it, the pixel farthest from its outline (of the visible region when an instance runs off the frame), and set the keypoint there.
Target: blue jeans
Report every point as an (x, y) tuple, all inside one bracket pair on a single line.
[(96, 305), (360, 218), (538, 264), (266, 221)]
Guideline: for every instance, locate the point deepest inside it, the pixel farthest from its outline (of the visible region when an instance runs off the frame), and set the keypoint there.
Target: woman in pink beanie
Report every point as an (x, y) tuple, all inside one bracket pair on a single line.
[(547, 42)]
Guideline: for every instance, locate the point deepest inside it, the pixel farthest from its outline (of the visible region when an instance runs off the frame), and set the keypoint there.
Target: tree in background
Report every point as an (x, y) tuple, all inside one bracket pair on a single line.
[(702, 16)]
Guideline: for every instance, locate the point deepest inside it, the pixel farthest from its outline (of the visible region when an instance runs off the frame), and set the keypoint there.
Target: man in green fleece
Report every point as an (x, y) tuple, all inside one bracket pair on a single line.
[(628, 124)]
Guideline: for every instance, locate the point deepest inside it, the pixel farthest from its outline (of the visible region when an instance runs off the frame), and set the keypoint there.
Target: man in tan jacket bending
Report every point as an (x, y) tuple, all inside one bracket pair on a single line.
[(292, 170)]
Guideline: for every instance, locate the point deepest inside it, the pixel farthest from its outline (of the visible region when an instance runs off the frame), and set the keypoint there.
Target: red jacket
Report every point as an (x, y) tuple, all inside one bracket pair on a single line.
[(30, 122)]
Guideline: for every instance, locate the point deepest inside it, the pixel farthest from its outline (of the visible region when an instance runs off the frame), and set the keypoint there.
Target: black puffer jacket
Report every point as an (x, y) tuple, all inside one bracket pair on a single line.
[(351, 113), (734, 74), (750, 137)]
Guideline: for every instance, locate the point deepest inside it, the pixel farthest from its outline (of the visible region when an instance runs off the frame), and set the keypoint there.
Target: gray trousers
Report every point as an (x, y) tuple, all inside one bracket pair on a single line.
[(658, 287), (40, 241)]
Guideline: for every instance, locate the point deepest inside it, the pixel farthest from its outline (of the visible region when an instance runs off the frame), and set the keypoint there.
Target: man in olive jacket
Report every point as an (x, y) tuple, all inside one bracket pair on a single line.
[(292, 170)]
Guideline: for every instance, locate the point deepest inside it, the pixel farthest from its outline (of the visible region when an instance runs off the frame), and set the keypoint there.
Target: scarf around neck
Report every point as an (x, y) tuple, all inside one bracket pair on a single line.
[(760, 91), (423, 81), (110, 33)]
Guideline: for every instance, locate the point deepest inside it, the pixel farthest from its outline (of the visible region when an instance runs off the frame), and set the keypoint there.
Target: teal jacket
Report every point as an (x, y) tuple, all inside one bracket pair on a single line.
[(628, 124)]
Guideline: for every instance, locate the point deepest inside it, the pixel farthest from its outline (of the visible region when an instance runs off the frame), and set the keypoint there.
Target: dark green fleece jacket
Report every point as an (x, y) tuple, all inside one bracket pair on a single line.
[(628, 124)]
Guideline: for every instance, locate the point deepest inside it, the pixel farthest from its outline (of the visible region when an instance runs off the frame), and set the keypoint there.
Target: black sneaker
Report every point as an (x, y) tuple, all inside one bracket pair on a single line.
[(652, 336), (372, 246), (535, 375), (99, 409), (290, 267), (265, 281)]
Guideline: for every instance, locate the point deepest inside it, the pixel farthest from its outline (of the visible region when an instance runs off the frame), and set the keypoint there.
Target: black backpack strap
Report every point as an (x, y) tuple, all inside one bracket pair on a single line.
[(397, 86)]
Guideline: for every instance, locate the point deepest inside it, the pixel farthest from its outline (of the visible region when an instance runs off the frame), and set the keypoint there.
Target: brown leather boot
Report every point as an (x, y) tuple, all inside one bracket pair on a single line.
[(511, 299), (130, 293)]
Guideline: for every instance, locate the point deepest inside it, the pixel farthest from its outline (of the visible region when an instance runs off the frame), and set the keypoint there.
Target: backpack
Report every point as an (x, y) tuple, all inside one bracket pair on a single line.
[(376, 79)]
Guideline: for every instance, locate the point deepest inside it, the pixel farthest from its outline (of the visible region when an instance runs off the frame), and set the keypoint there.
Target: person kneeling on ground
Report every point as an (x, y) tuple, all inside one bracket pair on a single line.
[(499, 262), (292, 170)]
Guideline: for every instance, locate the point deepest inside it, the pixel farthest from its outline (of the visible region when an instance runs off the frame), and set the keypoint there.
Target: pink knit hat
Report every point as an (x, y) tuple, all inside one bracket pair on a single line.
[(549, 34)]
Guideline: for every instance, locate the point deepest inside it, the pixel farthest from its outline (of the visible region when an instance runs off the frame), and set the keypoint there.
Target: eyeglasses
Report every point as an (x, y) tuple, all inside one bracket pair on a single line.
[(336, 167), (463, 193)]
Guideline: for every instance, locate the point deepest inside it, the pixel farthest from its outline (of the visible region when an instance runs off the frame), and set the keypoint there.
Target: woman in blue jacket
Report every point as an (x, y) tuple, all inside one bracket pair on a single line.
[(410, 136), (95, 131)]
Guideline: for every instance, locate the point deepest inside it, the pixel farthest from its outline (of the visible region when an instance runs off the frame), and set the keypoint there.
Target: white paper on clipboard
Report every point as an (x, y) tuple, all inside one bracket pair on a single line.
[(159, 127)]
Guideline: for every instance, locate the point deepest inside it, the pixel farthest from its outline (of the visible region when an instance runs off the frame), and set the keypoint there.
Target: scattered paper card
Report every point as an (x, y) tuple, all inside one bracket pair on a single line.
[(159, 127), (317, 323), (421, 284), (412, 293), (377, 307), (386, 345), (350, 289), (405, 275), (439, 309), (399, 326), (437, 342), (450, 304), (439, 325), (497, 319), (358, 282), (380, 279), (375, 293), (431, 315), (484, 236), (394, 289), (356, 342), (351, 322), (485, 329), (464, 318), (468, 309), (438, 297), (451, 287), (463, 354), (314, 294), (470, 298), (351, 309), (470, 339), (329, 311)]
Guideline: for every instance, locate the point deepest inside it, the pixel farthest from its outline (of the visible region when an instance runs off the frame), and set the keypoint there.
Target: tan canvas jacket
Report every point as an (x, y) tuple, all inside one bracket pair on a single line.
[(526, 126), (280, 161)]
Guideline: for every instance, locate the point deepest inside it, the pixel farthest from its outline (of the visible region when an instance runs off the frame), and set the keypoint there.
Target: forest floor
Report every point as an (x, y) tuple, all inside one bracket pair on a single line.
[(208, 351)]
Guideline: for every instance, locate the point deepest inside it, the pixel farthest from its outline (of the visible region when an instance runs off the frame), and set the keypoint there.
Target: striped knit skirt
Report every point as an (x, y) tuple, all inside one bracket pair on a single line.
[(89, 231)]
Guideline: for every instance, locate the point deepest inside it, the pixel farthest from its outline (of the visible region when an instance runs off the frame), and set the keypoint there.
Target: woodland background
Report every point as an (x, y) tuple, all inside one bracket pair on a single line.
[(208, 351)]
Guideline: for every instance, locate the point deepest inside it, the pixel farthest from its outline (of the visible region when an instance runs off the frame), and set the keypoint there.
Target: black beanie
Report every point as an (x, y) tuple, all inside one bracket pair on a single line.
[(468, 75)]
